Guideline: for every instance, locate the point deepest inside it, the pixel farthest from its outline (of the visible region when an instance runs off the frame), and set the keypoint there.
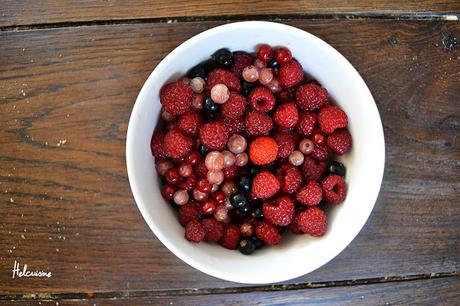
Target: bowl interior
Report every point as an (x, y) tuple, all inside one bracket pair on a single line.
[(296, 255)]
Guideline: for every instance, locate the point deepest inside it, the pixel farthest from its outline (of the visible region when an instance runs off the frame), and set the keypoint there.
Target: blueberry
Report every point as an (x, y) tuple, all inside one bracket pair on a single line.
[(203, 150), (247, 88), (238, 200), (244, 183), (258, 213), (336, 168), (257, 242), (272, 64), (253, 170), (247, 246), (198, 71), (223, 57), (244, 209), (210, 107)]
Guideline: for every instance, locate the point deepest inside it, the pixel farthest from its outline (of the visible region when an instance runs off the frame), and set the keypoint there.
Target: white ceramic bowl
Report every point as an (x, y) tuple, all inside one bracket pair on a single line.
[(296, 255)]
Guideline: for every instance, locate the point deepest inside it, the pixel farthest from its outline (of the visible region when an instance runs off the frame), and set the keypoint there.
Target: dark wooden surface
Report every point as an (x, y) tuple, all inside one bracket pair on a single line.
[(65, 204)]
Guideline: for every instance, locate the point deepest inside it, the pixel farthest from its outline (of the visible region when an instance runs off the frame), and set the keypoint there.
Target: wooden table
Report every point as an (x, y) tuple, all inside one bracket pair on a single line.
[(69, 75)]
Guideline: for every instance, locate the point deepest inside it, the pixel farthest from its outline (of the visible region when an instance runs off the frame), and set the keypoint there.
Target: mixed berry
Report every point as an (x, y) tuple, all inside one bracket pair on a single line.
[(245, 149)]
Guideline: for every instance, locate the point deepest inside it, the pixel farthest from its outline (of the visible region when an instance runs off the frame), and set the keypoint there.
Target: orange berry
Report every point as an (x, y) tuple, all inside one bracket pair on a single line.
[(263, 150)]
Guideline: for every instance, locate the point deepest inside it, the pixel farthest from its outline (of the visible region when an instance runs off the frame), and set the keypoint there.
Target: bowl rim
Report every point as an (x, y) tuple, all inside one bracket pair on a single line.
[(378, 171)]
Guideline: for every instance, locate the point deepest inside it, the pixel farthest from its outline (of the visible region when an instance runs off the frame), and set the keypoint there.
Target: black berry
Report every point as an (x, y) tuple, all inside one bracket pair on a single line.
[(223, 57), (257, 242), (203, 150), (198, 71), (247, 88), (239, 199), (244, 183), (244, 209), (272, 64), (210, 107), (247, 246), (336, 168), (258, 213)]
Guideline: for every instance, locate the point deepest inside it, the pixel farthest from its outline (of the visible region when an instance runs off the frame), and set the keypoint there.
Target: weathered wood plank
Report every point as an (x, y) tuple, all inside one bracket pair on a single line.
[(68, 208)]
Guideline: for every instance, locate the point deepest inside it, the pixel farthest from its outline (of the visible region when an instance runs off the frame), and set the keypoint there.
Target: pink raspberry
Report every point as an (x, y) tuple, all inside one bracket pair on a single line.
[(234, 107), (213, 135), (310, 194), (176, 98), (306, 123), (189, 122), (312, 221), (222, 76), (231, 237), (241, 60), (290, 178), (176, 144), (279, 213), (258, 124), (290, 74), (265, 185), (331, 118), (334, 189), (157, 145), (311, 96), (268, 233), (286, 115), (262, 99), (339, 141)]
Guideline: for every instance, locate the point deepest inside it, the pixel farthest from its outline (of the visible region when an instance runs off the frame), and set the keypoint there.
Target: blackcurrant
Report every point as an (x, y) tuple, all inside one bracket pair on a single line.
[(223, 57), (244, 183), (336, 168), (238, 200), (247, 246)]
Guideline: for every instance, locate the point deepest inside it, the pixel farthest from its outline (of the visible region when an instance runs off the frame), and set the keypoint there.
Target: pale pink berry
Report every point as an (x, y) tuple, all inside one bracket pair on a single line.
[(220, 93), (185, 170), (237, 143), (246, 229), (250, 74), (266, 76), (274, 85), (260, 64), (227, 204), (215, 187), (197, 84), (296, 158), (199, 196), (221, 214), (306, 146), (180, 197), (215, 177), (228, 188), (167, 116), (197, 101), (229, 158), (214, 160), (163, 165), (241, 159)]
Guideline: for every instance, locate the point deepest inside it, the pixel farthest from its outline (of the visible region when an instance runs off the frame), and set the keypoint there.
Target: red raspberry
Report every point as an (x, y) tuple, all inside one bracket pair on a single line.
[(293, 228), (310, 194), (321, 152), (311, 96), (233, 126), (286, 115), (241, 60), (200, 169), (290, 74), (262, 99), (334, 189), (213, 229), (332, 117), (230, 172), (290, 178), (265, 53), (286, 95), (189, 122), (234, 107), (265, 185), (263, 150), (268, 233), (213, 135), (176, 98), (306, 123), (283, 55), (312, 221), (280, 213), (312, 169), (176, 144), (189, 212), (231, 237), (222, 76), (286, 143), (258, 123), (194, 231), (339, 141), (157, 145)]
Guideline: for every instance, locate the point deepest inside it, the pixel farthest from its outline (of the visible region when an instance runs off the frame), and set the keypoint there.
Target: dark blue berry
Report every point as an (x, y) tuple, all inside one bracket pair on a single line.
[(211, 109), (238, 200), (247, 88), (244, 209), (203, 150), (244, 183), (336, 168), (257, 242), (253, 170), (258, 213), (198, 71), (223, 57), (247, 246), (272, 64)]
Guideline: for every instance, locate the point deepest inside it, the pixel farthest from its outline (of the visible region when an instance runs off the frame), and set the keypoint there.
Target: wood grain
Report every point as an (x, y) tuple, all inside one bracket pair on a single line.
[(21, 12), (427, 292), (65, 99)]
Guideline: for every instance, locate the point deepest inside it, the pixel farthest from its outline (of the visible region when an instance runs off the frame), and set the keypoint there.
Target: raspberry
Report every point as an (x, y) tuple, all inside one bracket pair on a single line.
[(234, 107), (290, 74), (241, 60), (189, 212), (157, 145), (280, 213), (200, 169), (233, 125), (306, 123), (265, 185), (310, 97), (286, 95), (263, 150), (310, 194), (231, 237), (332, 117), (265, 53), (189, 122), (268, 233), (258, 123), (312, 221), (176, 98), (213, 229), (286, 115), (312, 169), (194, 231), (339, 141), (222, 76), (286, 143), (262, 99), (293, 228), (176, 145), (321, 152), (230, 172), (290, 178), (213, 135), (334, 189)]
